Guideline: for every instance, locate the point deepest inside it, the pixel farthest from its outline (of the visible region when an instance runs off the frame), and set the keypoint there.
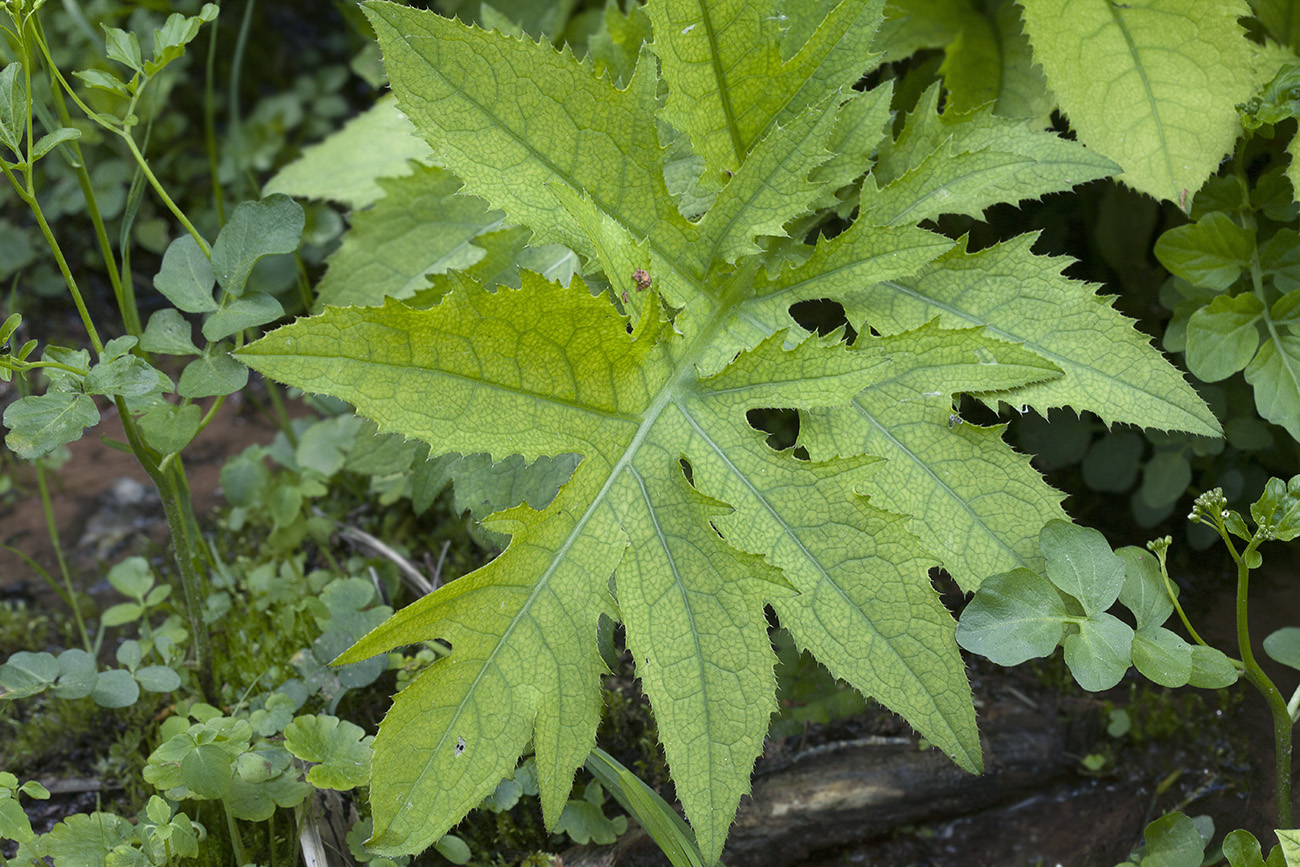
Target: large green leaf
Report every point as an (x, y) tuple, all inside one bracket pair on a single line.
[(1152, 84), (1109, 368), (347, 166), (418, 229), (962, 162), (728, 82), (701, 523)]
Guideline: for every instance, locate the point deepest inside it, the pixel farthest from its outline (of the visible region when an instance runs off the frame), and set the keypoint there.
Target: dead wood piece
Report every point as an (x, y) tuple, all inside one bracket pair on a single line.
[(848, 792)]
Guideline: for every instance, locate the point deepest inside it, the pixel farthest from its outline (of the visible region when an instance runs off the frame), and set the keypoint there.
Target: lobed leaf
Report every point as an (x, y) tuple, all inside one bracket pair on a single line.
[(1152, 84)]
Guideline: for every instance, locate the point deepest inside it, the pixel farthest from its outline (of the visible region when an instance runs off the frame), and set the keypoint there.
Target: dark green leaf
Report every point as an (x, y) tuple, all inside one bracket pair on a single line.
[(186, 277), (1143, 591), (1173, 841), (1279, 258), (254, 309), (168, 333), (1284, 646), (39, 424), (1100, 652), (1111, 465), (1162, 656), (214, 374), (115, 688), (169, 428), (1242, 849), (256, 229), (1210, 252), (1165, 478), (455, 849), (1221, 337), (1080, 563)]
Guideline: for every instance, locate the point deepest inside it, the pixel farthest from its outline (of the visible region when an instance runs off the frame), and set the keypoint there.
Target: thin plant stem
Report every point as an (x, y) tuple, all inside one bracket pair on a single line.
[(52, 527), (210, 125), (281, 412), (1272, 695), (236, 67), (123, 292), (162, 193), (30, 199)]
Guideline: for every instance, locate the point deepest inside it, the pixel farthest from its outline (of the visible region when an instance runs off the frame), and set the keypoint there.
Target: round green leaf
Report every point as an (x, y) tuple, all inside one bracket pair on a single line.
[(1165, 478), (453, 849), (1173, 841), (1111, 465), (1143, 591), (26, 673), (77, 674), (158, 678), (206, 770), (1211, 669), (1242, 849), (115, 688), (1099, 653), (1013, 617), (1162, 656), (1221, 337), (1081, 563), (1284, 646), (132, 577)]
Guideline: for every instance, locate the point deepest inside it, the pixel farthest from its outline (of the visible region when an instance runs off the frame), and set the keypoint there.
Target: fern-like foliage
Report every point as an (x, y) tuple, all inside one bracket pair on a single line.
[(680, 520)]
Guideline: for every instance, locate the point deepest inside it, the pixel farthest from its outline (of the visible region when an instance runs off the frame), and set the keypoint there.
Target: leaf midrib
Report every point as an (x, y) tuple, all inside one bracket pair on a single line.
[(671, 259), (1152, 102), (1063, 362), (808, 555)]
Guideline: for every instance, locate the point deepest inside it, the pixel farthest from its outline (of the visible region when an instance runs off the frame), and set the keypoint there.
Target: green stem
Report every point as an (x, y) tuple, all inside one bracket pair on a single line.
[(35, 206), (52, 527), (236, 842), (1276, 703), (1173, 597), (187, 549), (281, 413), (210, 126), (162, 193), (123, 292)]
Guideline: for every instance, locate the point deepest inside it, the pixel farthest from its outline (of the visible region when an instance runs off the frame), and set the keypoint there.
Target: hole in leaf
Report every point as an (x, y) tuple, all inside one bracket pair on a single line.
[(780, 425), (688, 471), (821, 315), (460, 746), (440, 646)]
